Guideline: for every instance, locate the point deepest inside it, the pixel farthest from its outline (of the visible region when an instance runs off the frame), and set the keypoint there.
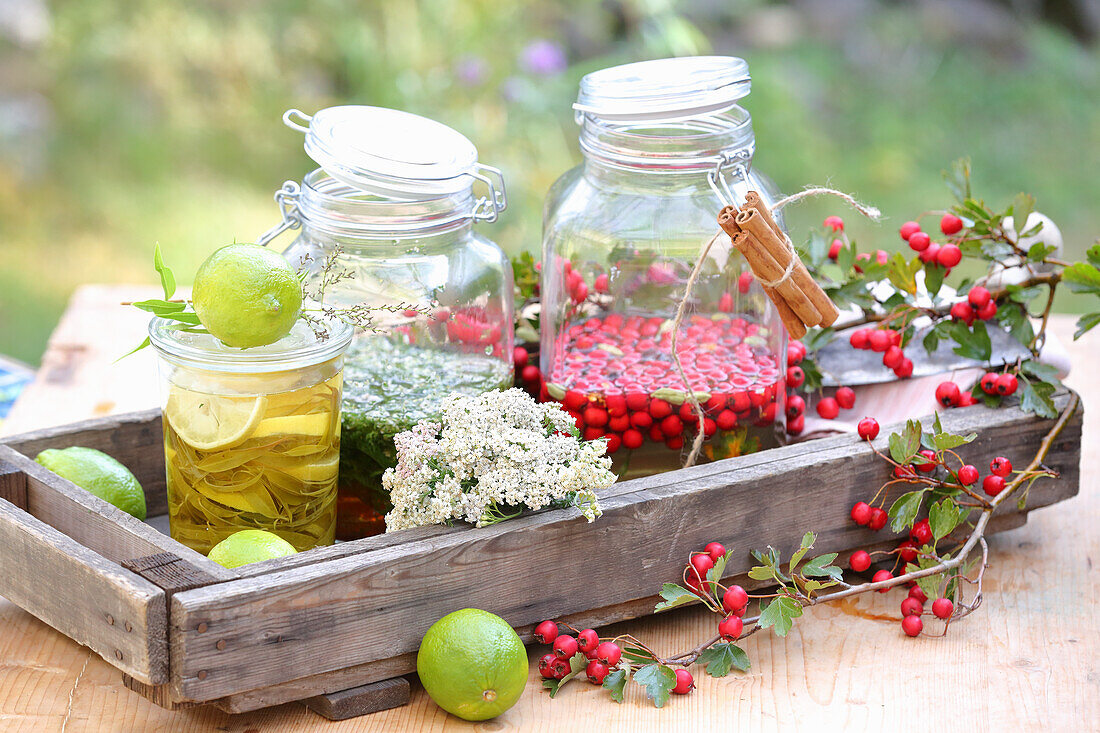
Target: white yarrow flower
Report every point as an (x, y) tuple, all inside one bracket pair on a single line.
[(489, 457)]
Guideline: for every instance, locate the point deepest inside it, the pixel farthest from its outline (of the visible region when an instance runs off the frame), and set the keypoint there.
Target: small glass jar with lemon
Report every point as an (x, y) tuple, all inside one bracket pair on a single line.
[(251, 436)]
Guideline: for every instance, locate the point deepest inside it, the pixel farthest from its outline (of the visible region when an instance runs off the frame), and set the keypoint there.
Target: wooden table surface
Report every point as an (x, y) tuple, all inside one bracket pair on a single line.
[(1027, 659)]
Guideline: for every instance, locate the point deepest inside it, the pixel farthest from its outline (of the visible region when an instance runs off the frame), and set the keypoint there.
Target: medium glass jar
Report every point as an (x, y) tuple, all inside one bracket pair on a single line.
[(665, 147), (251, 436), (395, 195)]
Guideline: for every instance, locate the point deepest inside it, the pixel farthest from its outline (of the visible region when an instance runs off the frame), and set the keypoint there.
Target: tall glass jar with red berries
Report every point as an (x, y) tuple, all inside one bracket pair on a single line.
[(387, 222), (665, 146)]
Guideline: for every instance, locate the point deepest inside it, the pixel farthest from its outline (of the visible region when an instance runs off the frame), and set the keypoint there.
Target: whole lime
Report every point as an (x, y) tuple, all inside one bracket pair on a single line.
[(472, 664), (98, 474), (249, 546), (247, 295)]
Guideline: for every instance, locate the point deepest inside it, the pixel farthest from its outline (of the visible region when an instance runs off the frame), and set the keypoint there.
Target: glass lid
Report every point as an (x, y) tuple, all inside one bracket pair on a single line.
[(388, 152), (664, 89)]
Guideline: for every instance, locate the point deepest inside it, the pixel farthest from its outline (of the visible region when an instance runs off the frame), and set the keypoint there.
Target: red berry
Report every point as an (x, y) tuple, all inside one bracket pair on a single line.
[(574, 400), (835, 223), (861, 513), (580, 292), (942, 608), (860, 338), (795, 406), (908, 229), (950, 224), (928, 463), (735, 599), (859, 561), (632, 439), (546, 665), (672, 426), (912, 625), (546, 632), (715, 550), (616, 405), (905, 370), (613, 443), (919, 241), (911, 607), (978, 296), (879, 340), (893, 357), (727, 419), (1000, 466), (637, 401), (796, 352), (565, 646), (904, 472), (725, 303), (595, 417), (846, 398), (601, 283), (1007, 384), (559, 668), (989, 382), (878, 519), (987, 311), (730, 628), (609, 653), (907, 551), (834, 249), (593, 433), (962, 312), (796, 425), (520, 357), (596, 671), (828, 408), (895, 337), (966, 399), (968, 475), (685, 683), (916, 592), (701, 563), (795, 376), (947, 394), (949, 255), (868, 428), (588, 640), (659, 409), (921, 534), (880, 576), (993, 485), (530, 374), (928, 254)]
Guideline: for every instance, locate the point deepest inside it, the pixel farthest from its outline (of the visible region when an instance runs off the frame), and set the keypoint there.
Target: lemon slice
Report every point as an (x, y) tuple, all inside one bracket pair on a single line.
[(209, 422), (316, 471), (315, 424)]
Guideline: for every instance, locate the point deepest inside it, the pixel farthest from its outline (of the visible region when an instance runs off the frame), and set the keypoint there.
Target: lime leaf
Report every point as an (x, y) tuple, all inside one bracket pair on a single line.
[(134, 350), (658, 681), (717, 660), (615, 684), (167, 279), (904, 510), (780, 614)]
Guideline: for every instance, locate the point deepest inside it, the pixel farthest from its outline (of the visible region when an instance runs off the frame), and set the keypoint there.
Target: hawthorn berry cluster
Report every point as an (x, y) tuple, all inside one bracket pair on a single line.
[(885, 341)]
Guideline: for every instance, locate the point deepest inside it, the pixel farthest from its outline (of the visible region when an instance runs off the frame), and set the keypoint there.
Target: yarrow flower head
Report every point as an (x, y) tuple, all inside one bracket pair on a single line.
[(489, 457)]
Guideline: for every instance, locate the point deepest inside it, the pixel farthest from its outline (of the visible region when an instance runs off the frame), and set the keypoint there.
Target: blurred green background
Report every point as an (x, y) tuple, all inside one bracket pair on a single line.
[(125, 122)]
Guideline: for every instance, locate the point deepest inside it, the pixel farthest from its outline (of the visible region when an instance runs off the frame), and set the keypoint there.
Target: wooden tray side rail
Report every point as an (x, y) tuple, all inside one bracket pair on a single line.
[(368, 611)]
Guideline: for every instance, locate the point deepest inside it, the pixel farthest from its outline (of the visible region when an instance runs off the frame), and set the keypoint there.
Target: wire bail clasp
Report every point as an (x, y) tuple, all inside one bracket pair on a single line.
[(488, 208), (287, 199), (737, 163)]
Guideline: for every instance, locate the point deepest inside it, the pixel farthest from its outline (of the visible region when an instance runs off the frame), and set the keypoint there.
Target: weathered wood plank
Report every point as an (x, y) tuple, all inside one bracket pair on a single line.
[(95, 523), (361, 700), (13, 484), (377, 605), (120, 616)]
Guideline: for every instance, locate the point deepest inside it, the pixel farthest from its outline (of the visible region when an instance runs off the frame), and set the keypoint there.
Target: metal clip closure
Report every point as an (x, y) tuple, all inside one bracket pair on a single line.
[(287, 199), (738, 163), (488, 208)]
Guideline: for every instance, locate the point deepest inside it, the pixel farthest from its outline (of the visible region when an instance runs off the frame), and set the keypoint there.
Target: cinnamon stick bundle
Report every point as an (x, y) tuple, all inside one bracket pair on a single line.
[(800, 301)]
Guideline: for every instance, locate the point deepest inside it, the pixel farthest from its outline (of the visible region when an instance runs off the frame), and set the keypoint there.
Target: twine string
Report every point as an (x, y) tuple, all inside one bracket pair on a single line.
[(866, 210)]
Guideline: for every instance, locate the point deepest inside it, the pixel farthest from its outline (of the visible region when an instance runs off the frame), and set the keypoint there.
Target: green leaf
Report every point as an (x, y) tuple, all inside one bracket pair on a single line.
[(161, 308), (780, 614), (1042, 372), (905, 445), (167, 279), (1022, 206), (1082, 277), (615, 684), (1093, 254), (934, 335), (822, 567), (717, 660), (943, 517), (714, 575), (973, 341), (1014, 317), (904, 510), (958, 179), (807, 543), (658, 681), (577, 665), (933, 278), (950, 441), (1036, 397), (674, 595), (816, 338), (1040, 251), (1085, 324), (902, 272), (134, 350)]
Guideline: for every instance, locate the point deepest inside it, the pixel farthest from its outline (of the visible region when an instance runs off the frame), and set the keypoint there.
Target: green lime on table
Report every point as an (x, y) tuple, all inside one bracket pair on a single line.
[(98, 474), (472, 664), (249, 546), (247, 295)]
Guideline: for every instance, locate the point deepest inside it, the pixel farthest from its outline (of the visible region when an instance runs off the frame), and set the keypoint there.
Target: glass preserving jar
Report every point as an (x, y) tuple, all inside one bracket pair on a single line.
[(251, 436), (665, 146), (395, 194)]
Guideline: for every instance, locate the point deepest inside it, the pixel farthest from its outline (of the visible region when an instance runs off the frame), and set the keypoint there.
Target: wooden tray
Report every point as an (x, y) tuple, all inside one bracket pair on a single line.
[(337, 626)]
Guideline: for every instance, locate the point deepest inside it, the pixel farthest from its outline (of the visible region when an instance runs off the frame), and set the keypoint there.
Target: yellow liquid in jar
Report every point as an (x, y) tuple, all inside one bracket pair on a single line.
[(265, 462)]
